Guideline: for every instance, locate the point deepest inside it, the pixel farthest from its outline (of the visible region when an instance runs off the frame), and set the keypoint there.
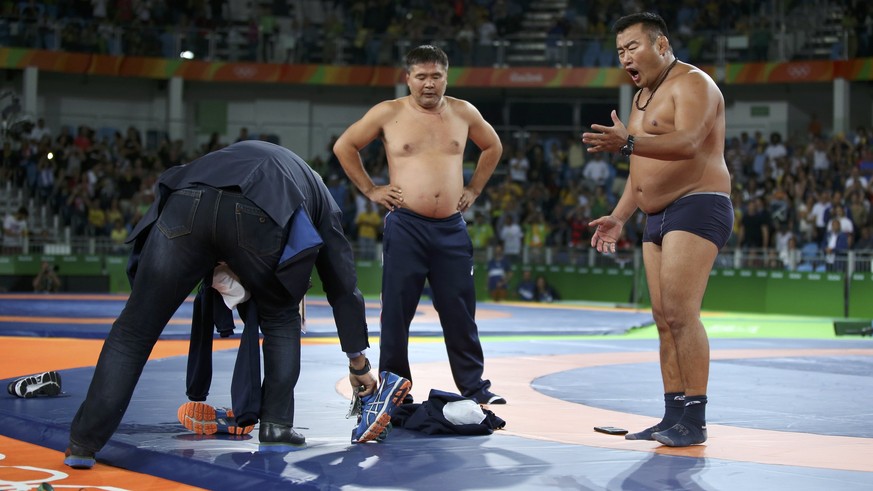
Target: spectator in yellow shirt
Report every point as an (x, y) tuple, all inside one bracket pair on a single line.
[(481, 232), (369, 223), (118, 235), (96, 219), (536, 230)]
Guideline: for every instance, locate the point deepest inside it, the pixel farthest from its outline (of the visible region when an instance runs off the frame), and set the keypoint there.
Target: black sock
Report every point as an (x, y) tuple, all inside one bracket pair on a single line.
[(695, 410), (674, 407), (690, 429)]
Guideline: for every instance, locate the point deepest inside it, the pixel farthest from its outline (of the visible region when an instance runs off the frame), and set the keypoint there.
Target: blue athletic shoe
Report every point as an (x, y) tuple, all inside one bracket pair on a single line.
[(377, 408)]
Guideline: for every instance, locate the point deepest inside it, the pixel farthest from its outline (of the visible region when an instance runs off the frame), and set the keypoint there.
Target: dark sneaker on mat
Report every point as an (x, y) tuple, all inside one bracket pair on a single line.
[(79, 457), (43, 384), (279, 438)]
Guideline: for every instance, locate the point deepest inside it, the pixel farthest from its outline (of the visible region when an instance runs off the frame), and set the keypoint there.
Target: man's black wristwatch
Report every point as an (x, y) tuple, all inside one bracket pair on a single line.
[(628, 147), (362, 371)]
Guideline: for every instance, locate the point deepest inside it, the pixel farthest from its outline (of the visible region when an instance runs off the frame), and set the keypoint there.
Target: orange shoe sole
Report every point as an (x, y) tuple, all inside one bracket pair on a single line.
[(203, 419)]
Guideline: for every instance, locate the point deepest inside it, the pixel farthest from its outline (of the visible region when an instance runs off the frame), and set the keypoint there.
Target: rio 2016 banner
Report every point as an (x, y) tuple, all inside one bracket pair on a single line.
[(384, 76)]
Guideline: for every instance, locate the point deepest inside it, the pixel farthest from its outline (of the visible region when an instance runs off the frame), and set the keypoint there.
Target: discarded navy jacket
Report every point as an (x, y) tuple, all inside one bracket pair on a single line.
[(429, 417)]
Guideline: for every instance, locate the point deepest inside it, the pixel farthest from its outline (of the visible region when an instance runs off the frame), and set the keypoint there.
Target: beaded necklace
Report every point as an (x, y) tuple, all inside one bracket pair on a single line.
[(652, 93)]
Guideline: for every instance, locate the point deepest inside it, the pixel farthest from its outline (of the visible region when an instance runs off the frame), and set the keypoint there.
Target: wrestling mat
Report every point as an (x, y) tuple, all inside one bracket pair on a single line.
[(789, 406)]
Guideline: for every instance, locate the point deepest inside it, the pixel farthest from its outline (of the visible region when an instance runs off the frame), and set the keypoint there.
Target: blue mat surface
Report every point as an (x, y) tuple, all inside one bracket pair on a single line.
[(150, 439), (825, 395), (791, 394), (92, 318)]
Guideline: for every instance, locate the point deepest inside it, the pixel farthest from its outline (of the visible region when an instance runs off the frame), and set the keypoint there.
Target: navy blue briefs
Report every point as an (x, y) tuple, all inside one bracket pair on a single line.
[(708, 215)]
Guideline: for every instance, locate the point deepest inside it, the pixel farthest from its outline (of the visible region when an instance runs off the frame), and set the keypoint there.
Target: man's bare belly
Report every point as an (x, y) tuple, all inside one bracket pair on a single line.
[(432, 190), (657, 184), (432, 207)]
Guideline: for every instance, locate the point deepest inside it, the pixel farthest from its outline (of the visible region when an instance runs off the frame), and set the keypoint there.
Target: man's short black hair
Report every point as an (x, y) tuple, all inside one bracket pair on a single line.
[(426, 54), (652, 22)]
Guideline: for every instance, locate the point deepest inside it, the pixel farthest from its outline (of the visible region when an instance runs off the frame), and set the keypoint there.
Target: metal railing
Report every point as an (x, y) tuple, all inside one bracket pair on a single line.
[(849, 262), (60, 241), (845, 267)]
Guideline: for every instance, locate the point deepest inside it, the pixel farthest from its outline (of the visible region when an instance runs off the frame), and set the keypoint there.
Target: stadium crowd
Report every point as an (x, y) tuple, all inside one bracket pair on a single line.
[(789, 190), (813, 190), (367, 31)]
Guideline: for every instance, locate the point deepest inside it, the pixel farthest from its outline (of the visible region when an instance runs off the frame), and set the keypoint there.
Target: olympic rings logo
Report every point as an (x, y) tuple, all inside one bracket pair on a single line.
[(799, 70), (245, 71), (40, 476)]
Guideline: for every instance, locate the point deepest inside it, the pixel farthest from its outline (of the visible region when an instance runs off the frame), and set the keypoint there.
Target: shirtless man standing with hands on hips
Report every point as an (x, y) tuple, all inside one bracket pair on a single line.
[(425, 236), (678, 177)]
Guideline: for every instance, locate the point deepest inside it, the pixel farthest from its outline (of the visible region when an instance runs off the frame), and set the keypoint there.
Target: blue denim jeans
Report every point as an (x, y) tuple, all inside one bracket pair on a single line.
[(197, 228)]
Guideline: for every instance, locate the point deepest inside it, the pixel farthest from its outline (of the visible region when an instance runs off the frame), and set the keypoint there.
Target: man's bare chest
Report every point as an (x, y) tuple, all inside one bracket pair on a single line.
[(428, 136), (655, 120)]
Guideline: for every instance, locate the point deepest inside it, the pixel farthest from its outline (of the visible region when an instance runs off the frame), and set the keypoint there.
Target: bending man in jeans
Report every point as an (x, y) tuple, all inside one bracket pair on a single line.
[(264, 212)]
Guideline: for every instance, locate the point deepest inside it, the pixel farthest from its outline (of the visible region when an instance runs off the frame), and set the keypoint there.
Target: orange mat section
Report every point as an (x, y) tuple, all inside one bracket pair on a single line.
[(23, 356), (26, 466), (572, 423)]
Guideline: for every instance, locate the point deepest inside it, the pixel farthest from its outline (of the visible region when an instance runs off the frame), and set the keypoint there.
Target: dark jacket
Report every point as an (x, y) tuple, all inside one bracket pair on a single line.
[(295, 197), (428, 417), (279, 182)]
